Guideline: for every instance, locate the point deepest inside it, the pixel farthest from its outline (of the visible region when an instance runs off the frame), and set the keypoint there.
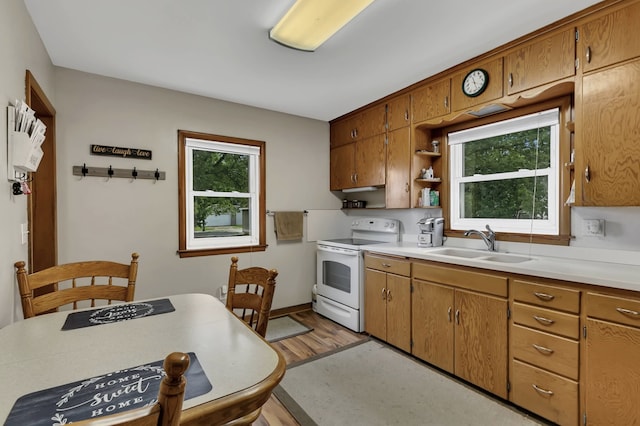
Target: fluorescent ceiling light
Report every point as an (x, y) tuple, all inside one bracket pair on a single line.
[(309, 23)]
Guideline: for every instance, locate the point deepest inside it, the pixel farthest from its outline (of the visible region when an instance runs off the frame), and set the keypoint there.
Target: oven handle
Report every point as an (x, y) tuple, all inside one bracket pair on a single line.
[(339, 251)]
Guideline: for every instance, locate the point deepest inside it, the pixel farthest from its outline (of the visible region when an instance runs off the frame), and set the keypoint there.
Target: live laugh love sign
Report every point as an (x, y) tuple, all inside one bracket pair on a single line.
[(102, 395)]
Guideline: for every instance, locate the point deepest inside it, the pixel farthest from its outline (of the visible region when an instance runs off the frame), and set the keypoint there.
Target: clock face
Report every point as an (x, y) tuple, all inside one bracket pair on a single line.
[(475, 82)]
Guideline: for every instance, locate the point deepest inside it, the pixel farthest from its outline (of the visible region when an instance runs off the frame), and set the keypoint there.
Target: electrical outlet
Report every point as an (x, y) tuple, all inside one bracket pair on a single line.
[(593, 227), (24, 232)]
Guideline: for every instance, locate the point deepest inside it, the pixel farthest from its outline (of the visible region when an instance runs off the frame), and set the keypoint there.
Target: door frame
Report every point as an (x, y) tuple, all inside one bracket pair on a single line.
[(42, 203)]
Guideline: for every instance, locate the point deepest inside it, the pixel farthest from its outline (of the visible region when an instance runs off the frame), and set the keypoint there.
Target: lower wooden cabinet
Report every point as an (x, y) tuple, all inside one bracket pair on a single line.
[(612, 372), (387, 300), (460, 330)]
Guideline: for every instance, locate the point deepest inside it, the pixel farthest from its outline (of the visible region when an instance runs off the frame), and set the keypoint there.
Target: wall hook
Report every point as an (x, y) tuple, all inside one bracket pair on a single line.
[(157, 175), (110, 172), (134, 173), (85, 170)]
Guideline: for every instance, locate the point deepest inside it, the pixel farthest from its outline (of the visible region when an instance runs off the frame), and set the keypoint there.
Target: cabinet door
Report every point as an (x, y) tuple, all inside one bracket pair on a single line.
[(398, 180), (610, 39), (612, 376), (342, 167), (541, 62), (459, 101), (431, 101), (370, 161), (375, 303), (481, 341), (608, 146), (341, 132), (373, 122), (398, 112), (432, 323), (399, 311)]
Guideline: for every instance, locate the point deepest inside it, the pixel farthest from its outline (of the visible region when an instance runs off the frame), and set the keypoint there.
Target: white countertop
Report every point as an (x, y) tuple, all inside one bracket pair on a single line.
[(603, 273)]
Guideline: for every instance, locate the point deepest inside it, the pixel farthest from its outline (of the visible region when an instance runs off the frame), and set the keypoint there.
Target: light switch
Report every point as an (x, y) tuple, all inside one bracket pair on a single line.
[(24, 232)]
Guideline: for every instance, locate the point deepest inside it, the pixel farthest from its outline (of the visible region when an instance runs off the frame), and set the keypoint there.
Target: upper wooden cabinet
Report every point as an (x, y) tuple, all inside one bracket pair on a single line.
[(607, 138), (609, 39), (360, 163), (542, 61), (362, 125), (432, 100), (459, 101), (398, 181), (398, 112)]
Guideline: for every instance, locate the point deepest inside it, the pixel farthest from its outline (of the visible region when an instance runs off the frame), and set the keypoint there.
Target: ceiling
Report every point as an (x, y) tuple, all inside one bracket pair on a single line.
[(220, 48)]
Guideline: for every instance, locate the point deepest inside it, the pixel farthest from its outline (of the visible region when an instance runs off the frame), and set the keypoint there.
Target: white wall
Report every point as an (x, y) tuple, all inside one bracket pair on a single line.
[(100, 218), (20, 49)]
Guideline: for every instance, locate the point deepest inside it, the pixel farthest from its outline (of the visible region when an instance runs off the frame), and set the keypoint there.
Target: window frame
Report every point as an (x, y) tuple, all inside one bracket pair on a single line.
[(565, 169), (457, 141), (185, 176)]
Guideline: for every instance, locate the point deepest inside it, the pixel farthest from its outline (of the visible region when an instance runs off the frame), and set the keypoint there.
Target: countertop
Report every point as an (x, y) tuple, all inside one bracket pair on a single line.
[(601, 273)]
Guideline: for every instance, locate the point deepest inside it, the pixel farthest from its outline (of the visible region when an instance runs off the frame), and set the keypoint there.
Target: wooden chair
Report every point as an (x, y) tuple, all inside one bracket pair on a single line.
[(75, 282), (250, 293), (165, 412)]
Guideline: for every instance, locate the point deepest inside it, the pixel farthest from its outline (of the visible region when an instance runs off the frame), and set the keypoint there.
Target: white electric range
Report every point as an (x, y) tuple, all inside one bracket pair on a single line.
[(340, 270)]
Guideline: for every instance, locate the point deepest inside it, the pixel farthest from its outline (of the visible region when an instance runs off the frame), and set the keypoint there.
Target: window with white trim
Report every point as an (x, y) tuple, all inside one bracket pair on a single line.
[(221, 194), (506, 174)]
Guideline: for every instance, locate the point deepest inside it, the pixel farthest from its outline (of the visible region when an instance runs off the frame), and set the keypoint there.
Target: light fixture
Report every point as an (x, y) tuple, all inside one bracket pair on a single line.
[(360, 189), (309, 23)]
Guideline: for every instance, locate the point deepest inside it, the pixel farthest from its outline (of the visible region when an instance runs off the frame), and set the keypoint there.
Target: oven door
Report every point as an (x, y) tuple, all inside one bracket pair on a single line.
[(338, 274)]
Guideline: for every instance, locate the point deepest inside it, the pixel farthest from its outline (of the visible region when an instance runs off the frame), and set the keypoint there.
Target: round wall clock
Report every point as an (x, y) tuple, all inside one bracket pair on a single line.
[(475, 82)]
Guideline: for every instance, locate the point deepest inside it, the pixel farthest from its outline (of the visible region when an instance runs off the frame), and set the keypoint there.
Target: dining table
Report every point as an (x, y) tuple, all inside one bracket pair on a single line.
[(67, 358)]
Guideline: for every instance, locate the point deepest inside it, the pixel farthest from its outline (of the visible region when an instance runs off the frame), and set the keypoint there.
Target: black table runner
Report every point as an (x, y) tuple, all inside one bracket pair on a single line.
[(102, 395), (117, 313)]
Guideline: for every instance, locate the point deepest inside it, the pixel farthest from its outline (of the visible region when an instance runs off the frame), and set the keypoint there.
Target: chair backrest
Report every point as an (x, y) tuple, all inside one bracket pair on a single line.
[(250, 293), (75, 282), (165, 412)]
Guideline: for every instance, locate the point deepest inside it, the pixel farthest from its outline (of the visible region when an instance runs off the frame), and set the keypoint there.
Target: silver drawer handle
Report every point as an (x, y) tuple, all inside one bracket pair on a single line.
[(544, 296), (384, 293), (449, 313), (386, 265), (542, 349), (628, 312), (544, 391), (543, 320)]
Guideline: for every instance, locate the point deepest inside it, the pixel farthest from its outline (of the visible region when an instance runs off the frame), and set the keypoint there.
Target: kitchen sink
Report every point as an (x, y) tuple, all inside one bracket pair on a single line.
[(459, 253), (481, 255)]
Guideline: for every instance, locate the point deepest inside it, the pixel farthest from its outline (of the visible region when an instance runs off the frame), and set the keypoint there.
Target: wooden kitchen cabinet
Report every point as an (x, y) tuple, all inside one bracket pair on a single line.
[(360, 163), (470, 306), (361, 125), (398, 112), (544, 337), (398, 172), (610, 38), (607, 137), (431, 100), (612, 379), (542, 61), (388, 300), (461, 102)]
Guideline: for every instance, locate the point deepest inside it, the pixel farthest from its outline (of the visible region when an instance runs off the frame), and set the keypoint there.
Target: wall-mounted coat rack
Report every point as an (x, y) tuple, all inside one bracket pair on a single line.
[(110, 172)]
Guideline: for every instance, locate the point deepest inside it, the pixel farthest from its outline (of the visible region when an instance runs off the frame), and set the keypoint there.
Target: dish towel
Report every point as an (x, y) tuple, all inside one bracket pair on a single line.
[(288, 225)]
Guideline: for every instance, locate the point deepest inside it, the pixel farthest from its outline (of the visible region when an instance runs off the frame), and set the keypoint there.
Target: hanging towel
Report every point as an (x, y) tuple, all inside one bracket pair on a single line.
[(288, 225)]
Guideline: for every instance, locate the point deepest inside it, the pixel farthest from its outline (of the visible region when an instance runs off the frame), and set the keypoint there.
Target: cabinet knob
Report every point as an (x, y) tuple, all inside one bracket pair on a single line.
[(542, 349), (406, 115), (449, 313), (543, 320), (540, 390), (389, 296), (406, 187), (587, 54), (510, 79), (458, 316), (628, 312), (384, 293), (587, 175), (544, 296), (446, 102)]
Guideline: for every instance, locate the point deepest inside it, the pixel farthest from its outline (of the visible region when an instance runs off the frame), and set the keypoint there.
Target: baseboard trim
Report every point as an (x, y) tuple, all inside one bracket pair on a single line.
[(289, 310)]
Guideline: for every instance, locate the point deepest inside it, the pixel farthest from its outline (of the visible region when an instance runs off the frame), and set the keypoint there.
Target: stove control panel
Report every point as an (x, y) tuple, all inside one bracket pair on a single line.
[(376, 224)]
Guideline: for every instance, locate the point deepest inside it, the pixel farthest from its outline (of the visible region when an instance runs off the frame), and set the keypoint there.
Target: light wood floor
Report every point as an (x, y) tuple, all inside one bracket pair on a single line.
[(325, 336)]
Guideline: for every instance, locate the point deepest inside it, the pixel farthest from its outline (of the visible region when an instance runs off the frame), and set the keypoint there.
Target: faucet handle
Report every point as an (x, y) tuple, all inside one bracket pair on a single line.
[(491, 232)]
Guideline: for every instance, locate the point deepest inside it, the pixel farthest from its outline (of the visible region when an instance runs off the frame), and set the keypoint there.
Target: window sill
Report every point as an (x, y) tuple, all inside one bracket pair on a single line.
[(224, 250)]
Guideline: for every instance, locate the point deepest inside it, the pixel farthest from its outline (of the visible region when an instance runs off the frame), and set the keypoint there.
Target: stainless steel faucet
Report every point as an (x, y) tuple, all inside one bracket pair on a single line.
[(489, 238)]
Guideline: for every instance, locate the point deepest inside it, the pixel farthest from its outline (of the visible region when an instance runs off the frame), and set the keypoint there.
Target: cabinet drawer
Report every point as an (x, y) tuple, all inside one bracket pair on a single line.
[(567, 325), (549, 395), (616, 309), (387, 264), (553, 353), (476, 281), (548, 296)]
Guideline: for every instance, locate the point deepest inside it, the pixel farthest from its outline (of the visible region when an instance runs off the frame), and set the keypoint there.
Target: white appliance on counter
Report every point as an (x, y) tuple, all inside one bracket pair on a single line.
[(340, 270)]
